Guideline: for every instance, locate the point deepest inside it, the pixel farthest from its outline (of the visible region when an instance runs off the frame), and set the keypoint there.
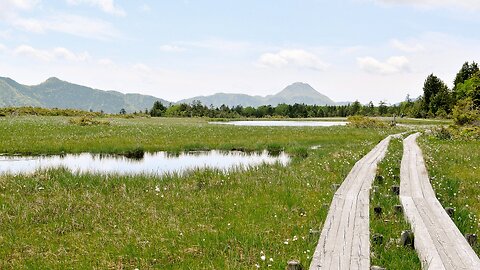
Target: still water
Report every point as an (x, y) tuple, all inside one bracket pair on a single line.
[(282, 123), (159, 163)]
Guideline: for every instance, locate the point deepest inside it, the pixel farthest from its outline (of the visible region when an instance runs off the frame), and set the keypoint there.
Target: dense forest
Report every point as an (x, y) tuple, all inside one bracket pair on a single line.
[(438, 101)]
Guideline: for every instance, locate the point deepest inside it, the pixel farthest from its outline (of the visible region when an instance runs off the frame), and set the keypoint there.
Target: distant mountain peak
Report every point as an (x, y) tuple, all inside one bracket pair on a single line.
[(53, 80), (299, 84), (297, 92), (299, 88), (304, 93)]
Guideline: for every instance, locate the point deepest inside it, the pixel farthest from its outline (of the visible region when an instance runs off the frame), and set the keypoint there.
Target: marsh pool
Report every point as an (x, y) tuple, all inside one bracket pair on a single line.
[(158, 163)]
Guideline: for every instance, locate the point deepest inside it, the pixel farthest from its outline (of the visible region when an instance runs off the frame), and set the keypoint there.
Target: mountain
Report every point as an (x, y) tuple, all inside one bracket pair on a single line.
[(230, 100), (295, 93), (299, 93), (55, 93)]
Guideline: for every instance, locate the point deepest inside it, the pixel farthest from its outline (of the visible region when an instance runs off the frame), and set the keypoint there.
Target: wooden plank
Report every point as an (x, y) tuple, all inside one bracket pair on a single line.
[(438, 242), (345, 239)]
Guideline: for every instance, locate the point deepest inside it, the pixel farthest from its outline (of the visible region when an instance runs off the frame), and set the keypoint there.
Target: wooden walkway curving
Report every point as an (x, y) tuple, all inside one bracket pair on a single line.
[(345, 239), (438, 242)]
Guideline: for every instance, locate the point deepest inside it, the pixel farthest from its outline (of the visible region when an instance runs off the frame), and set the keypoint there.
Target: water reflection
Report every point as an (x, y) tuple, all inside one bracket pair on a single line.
[(159, 163), (282, 123)]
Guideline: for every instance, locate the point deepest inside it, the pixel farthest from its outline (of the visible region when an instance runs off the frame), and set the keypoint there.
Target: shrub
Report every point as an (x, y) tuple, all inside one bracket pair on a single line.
[(365, 122), (300, 152), (465, 113), (442, 133), (87, 121), (274, 149), (137, 154), (18, 111), (462, 133)]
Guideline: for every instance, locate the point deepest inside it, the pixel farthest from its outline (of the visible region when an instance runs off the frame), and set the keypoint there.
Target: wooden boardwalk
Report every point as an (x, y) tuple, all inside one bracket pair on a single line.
[(438, 242), (345, 239)]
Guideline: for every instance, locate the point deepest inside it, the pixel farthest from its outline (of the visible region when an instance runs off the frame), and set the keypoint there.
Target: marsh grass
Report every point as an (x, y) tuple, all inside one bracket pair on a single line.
[(390, 224), (454, 170), (204, 220), (87, 121), (54, 135)]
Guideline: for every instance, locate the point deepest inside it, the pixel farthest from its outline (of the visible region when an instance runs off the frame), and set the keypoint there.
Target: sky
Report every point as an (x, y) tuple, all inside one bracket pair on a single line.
[(366, 50)]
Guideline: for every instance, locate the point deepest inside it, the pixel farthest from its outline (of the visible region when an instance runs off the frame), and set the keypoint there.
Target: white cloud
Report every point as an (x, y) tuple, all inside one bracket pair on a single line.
[(6, 5), (9, 8), (292, 58), (62, 53), (105, 62), (409, 47), (58, 53), (3, 48), (6, 34), (28, 51), (142, 68), (393, 65), (13, 13), (68, 24), (463, 4), (107, 6), (171, 48)]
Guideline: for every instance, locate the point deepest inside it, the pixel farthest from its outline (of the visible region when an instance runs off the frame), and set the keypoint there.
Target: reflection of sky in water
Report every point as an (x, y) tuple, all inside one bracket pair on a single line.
[(282, 123), (159, 163)]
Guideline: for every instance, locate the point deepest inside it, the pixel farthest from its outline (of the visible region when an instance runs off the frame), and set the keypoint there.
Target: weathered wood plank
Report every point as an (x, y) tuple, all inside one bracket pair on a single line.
[(438, 242), (345, 239)]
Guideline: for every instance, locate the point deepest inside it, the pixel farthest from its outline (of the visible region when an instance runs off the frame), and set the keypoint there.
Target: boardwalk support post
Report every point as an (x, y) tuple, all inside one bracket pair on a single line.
[(471, 239), (378, 239), (396, 190), (379, 179), (450, 211), (294, 265), (407, 239), (398, 209)]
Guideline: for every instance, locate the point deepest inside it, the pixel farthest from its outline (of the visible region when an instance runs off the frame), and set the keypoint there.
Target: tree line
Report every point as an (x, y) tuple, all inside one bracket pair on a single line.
[(197, 109), (437, 101)]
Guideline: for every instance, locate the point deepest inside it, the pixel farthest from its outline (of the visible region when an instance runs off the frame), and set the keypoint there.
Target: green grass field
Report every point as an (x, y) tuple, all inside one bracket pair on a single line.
[(454, 169), (206, 220), (50, 135), (390, 223)]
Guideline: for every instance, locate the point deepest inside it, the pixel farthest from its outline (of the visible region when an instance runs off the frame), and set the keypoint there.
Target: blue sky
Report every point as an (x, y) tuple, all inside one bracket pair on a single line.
[(347, 49)]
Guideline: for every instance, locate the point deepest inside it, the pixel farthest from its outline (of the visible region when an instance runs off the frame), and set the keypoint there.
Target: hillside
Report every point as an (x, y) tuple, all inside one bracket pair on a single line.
[(295, 93), (55, 93)]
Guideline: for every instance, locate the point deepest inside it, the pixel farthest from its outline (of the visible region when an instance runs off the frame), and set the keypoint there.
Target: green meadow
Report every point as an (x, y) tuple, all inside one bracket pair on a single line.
[(206, 219), (386, 227), (454, 169)]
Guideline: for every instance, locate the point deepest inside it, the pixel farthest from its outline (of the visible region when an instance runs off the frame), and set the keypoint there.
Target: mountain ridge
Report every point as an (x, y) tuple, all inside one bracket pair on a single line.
[(295, 93), (56, 93)]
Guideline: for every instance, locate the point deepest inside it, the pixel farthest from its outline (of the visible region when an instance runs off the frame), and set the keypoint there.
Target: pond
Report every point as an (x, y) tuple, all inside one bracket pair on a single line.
[(157, 164), (282, 123)]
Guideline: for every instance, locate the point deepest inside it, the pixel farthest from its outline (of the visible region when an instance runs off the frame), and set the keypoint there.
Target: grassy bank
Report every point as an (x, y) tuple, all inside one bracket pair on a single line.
[(389, 253), (206, 220), (57, 134), (454, 169)]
